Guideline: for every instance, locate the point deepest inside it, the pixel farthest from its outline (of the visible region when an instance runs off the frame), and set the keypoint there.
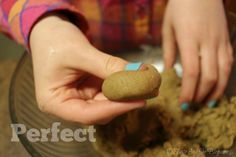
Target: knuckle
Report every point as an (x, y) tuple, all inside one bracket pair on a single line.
[(42, 102), (186, 96), (231, 56), (41, 105), (112, 64), (227, 69), (192, 72), (88, 121), (210, 79), (219, 92), (104, 122), (230, 53), (232, 60)]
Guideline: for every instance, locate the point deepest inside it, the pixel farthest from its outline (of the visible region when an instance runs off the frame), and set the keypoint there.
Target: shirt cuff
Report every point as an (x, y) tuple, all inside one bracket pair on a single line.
[(22, 23)]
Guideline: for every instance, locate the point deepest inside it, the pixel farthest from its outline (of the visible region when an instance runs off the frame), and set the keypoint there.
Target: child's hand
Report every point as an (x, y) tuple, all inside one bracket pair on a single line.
[(199, 29), (63, 62)]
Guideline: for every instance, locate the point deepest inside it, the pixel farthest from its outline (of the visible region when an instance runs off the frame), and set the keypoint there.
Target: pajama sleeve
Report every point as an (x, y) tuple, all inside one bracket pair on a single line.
[(17, 17)]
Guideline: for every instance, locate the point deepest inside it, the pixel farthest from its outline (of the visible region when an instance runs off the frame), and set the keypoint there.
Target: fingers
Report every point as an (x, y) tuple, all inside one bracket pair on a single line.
[(190, 62), (209, 71), (92, 111), (215, 71), (168, 45), (215, 66), (225, 61)]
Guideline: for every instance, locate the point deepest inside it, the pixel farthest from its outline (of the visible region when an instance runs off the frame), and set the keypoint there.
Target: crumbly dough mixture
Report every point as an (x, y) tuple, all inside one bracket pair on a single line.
[(162, 129)]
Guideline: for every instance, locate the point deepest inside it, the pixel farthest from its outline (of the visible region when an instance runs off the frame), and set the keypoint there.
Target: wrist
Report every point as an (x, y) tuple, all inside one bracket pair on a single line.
[(55, 31), (48, 22), (52, 28)]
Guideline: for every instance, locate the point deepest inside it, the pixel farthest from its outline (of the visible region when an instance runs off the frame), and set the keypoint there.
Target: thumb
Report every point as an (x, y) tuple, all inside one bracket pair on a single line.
[(110, 64), (102, 65)]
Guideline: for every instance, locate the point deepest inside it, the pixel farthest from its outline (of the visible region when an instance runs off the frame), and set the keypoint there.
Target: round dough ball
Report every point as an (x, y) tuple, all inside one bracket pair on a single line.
[(132, 85)]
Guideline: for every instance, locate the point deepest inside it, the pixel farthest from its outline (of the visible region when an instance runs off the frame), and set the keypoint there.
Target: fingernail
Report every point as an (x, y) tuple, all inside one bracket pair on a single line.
[(133, 66), (212, 104), (184, 106)]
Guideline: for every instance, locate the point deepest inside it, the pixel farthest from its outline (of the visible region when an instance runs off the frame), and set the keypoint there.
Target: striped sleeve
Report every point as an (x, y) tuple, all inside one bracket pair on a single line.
[(17, 17)]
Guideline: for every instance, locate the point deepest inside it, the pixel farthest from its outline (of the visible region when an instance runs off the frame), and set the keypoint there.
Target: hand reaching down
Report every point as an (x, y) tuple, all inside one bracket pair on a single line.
[(199, 30)]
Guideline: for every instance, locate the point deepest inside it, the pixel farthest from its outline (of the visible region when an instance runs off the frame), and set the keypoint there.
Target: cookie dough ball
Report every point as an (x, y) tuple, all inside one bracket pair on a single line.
[(132, 85)]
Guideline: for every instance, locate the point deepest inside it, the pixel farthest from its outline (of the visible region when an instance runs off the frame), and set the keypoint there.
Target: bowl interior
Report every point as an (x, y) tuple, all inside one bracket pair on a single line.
[(24, 110)]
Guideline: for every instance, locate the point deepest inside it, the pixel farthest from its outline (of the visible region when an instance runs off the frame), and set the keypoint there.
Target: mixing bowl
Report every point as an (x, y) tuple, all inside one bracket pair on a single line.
[(24, 110)]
